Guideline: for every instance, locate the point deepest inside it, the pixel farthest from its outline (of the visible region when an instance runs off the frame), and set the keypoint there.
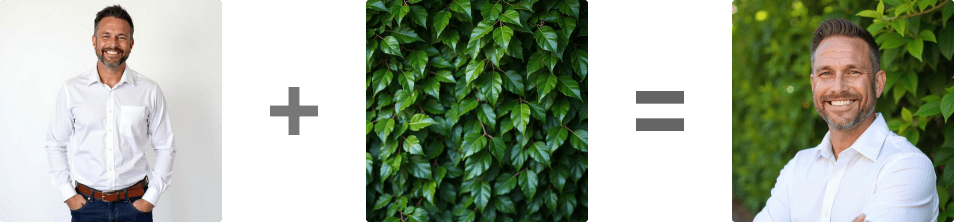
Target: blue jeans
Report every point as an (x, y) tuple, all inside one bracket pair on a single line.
[(99, 210)]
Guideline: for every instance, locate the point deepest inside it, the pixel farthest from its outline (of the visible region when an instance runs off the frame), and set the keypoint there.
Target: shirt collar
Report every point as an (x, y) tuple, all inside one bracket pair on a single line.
[(93, 77), (868, 144)]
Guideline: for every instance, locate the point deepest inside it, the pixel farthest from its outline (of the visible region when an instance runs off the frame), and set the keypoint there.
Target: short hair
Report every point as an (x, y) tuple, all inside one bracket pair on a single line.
[(838, 26), (113, 11)]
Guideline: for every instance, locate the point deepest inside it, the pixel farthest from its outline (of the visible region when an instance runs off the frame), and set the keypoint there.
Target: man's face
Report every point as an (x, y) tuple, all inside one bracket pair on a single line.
[(844, 91), (112, 42)]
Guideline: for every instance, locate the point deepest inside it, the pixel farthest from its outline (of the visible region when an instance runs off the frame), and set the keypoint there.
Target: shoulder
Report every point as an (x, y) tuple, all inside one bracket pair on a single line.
[(803, 157), (143, 81), (899, 154)]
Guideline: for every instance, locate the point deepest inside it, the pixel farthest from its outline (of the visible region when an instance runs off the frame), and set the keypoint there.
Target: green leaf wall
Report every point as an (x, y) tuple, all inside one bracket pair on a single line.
[(476, 110)]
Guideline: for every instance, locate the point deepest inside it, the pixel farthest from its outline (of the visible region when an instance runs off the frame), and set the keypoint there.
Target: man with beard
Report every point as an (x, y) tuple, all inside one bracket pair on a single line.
[(861, 170), (102, 120)]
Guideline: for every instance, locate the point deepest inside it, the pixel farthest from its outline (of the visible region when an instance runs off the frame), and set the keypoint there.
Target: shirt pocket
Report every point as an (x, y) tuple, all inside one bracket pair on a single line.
[(132, 121)]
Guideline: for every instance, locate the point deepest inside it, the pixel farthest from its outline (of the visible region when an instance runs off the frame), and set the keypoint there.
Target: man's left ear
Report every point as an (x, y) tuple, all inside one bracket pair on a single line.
[(880, 78)]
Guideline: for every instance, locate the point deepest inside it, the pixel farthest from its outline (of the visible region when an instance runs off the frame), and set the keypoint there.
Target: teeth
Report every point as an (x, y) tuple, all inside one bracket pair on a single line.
[(841, 102), (112, 52)]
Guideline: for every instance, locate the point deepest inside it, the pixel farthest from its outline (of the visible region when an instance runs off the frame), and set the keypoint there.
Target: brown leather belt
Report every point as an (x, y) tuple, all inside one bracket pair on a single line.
[(136, 190)]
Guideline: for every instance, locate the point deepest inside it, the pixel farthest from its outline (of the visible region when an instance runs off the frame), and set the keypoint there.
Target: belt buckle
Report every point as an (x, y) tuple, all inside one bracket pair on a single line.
[(102, 195)]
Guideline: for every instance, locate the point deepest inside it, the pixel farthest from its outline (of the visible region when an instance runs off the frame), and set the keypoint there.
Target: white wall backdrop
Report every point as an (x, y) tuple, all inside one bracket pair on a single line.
[(177, 44)]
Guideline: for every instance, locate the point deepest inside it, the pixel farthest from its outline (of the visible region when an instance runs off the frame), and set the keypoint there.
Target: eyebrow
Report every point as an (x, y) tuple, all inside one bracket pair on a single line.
[(849, 66)]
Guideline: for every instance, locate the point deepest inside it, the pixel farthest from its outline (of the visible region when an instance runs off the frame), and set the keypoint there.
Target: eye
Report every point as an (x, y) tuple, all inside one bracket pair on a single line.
[(855, 72), (825, 73)]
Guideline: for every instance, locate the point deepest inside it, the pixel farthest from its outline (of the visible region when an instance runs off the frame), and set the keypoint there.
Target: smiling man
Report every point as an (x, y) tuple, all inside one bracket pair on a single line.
[(102, 120), (861, 170)]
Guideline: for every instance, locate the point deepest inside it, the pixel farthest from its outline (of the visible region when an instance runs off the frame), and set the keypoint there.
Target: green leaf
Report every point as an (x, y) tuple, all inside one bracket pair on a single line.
[(494, 88), (474, 68), (571, 7), (406, 79), (521, 117), (929, 109), (472, 144), (545, 84), (517, 156), (498, 148), (915, 47), (560, 108), (467, 105), (383, 128), (386, 149), (451, 38), (504, 204), (412, 145), (403, 99), (405, 35), (490, 12), (469, 218), (502, 36), (869, 14), (507, 185), (906, 115), (419, 15), (569, 202), (910, 81), (445, 76), (382, 201), (539, 152), (567, 24), (927, 35), (403, 10), (947, 105), (894, 40), (441, 19), (513, 82), (483, 28), (376, 5), (946, 40), (482, 195), (899, 24), (947, 12), (461, 6), (535, 62), (512, 17), (418, 60), (528, 183), (420, 168), (369, 165), (579, 140), (487, 115), (546, 38), (880, 7), (477, 165), (558, 175), (550, 199), (390, 46), (555, 137), (430, 189), (432, 87), (419, 121), (580, 63), (569, 87), (381, 79)]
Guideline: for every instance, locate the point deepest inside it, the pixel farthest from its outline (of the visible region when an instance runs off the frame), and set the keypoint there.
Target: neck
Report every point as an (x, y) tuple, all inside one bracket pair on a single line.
[(842, 139), (110, 76)]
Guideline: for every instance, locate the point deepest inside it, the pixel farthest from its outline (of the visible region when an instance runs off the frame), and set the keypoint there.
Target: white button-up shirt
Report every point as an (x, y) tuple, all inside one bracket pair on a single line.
[(103, 131), (881, 175)]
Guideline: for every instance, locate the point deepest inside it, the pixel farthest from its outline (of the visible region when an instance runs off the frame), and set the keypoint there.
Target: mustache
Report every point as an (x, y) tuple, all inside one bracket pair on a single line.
[(840, 96)]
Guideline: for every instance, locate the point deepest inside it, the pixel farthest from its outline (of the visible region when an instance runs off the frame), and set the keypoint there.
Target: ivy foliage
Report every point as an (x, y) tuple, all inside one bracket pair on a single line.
[(773, 116), (476, 110)]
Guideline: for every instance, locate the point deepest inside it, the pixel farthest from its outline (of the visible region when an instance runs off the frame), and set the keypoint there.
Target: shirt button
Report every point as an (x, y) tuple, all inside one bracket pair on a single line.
[(110, 111), (110, 130), (825, 214)]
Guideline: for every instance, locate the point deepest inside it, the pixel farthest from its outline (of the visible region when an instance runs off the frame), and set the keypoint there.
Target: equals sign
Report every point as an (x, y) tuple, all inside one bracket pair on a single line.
[(660, 97)]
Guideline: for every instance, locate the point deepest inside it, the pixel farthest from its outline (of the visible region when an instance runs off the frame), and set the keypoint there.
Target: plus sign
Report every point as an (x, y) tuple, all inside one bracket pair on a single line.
[(293, 111)]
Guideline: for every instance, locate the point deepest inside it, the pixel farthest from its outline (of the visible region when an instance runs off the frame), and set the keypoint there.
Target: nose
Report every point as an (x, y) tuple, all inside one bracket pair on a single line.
[(841, 83)]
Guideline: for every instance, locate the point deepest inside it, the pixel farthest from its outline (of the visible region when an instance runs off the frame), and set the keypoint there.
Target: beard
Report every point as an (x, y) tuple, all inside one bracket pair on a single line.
[(859, 116), (108, 65)]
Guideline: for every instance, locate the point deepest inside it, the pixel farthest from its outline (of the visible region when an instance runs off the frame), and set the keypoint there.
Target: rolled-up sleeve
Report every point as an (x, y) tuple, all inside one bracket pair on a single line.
[(905, 191), (777, 207), (58, 136)]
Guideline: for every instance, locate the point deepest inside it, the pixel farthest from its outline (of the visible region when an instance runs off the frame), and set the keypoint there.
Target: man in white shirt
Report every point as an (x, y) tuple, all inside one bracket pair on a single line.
[(101, 122), (861, 170)]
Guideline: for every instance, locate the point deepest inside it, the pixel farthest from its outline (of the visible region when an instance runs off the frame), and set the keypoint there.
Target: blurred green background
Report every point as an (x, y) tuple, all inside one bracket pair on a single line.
[(773, 116)]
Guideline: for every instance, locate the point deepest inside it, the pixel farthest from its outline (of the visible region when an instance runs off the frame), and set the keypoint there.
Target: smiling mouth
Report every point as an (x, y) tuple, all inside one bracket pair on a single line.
[(111, 52), (841, 102)]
